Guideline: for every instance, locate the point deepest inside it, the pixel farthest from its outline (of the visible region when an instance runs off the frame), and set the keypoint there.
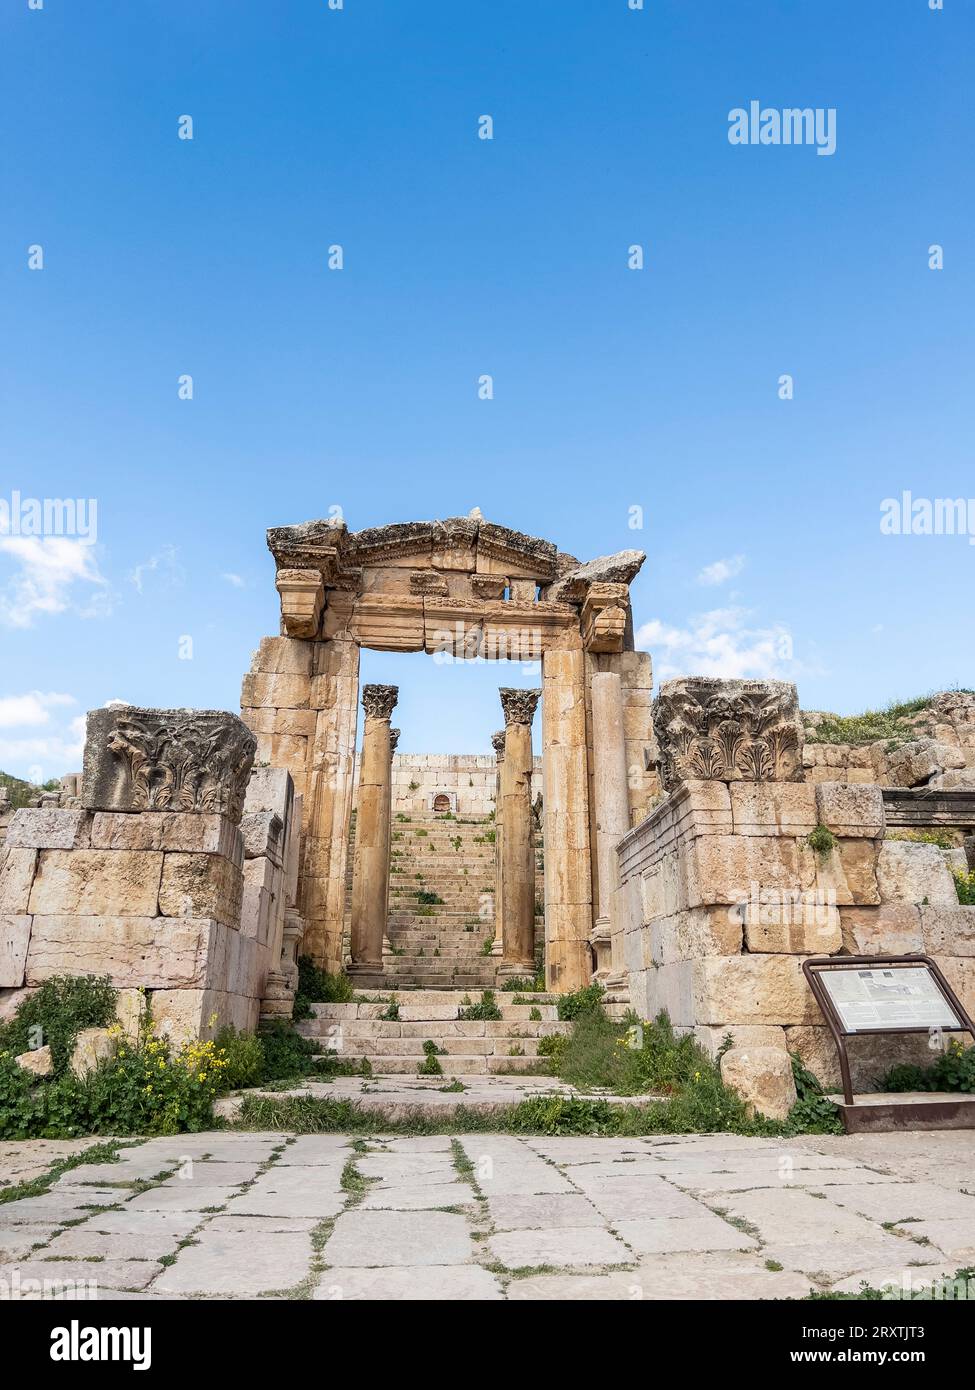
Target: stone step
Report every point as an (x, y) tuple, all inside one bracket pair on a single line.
[(440, 996), (453, 1065), (431, 1013), (364, 1030)]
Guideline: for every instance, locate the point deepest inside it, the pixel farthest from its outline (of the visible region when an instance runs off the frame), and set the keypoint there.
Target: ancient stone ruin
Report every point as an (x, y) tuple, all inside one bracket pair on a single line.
[(688, 853)]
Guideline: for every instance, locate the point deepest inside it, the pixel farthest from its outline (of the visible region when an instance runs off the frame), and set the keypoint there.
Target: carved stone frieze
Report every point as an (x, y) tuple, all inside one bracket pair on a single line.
[(166, 760), (728, 731), (604, 612)]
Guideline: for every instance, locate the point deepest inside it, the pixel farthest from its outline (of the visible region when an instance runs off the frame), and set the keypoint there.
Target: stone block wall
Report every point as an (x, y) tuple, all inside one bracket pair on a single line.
[(939, 751), (722, 897), (187, 905)]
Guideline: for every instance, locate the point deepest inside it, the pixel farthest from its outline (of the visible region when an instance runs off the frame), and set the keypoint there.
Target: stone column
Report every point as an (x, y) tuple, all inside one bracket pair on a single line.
[(568, 871), (393, 741), (517, 842), (370, 874), (497, 743), (328, 799), (611, 804)]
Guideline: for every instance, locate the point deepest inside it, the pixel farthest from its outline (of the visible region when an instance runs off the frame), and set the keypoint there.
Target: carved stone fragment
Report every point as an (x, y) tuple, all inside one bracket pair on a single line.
[(167, 760), (728, 730)]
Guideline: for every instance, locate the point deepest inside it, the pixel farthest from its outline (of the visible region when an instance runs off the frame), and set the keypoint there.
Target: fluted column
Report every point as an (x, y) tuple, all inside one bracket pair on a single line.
[(517, 838), (370, 873), (393, 741), (610, 803), (497, 743)]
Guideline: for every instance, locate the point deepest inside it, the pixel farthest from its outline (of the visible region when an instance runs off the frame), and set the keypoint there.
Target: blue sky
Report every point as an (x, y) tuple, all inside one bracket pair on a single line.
[(613, 388)]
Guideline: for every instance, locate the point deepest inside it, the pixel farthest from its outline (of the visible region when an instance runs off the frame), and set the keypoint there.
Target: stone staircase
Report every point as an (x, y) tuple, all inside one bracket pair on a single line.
[(476, 1047), (441, 906)]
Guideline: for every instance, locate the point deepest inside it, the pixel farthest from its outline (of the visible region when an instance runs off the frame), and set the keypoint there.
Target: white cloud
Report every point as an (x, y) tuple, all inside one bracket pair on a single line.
[(719, 643), (164, 565), (55, 744), (721, 570), (17, 711), (49, 568), (235, 580)]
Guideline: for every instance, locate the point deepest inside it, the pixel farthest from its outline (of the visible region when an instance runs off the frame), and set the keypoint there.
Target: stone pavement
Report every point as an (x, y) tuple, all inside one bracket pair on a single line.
[(244, 1215)]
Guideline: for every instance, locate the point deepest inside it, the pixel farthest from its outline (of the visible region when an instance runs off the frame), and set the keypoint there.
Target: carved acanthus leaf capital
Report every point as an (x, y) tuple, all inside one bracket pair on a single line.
[(394, 739), (728, 731), (518, 705), (497, 743), (378, 701)]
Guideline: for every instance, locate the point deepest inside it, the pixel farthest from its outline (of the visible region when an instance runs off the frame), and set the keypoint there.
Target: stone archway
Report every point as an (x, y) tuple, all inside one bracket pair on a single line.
[(466, 587)]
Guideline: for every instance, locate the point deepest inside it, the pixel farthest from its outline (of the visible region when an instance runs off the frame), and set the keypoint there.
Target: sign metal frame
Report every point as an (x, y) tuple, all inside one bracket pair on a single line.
[(816, 966)]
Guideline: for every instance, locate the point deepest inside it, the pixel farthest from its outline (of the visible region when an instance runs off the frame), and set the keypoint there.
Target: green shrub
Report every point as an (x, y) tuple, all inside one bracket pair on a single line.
[(317, 986), (954, 1070), (427, 898), (286, 1053), (581, 1002), (524, 984), (57, 1013), (244, 1058), (430, 1066), (822, 841), (813, 1112), (965, 887), (889, 723), (943, 839), (487, 1009)]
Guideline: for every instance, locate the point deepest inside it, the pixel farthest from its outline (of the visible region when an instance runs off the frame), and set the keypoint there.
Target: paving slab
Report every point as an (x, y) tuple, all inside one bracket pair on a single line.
[(210, 1174), (82, 1242), (417, 1283), (18, 1241), (562, 1245), (231, 1262), (58, 1207), (293, 1191), (413, 1197), (953, 1237), (664, 1234), (367, 1238), (106, 1274), (793, 1216), (174, 1224), (182, 1196), (313, 1149), (835, 1258), (546, 1209), (907, 1201)]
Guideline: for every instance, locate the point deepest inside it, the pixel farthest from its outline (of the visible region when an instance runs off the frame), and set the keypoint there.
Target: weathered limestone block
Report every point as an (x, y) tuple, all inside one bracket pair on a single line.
[(50, 828), (845, 876), (909, 872), (742, 1036), (132, 951), (870, 1055), (762, 1076), (167, 830), (798, 923), (182, 1015), (690, 935), (282, 656), (200, 885), (912, 764), (673, 989), (17, 867), (263, 835), (891, 929), (754, 989), (850, 811), (91, 882), (130, 1011), (661, 888), (773, 808), (38, 1061), (262, 690), (948, 931), (166, 760), (723, 868), (15, 932), (728, 730), (93, 1046), (703, 808)]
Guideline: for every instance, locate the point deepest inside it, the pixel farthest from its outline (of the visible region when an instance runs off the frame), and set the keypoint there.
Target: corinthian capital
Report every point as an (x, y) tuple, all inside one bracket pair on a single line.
[(518, 705), (378, 700)]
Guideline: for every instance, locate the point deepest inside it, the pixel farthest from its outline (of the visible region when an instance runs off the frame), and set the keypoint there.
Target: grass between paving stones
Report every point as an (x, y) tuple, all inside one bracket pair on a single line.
[(36, 1187), (958, 1287)]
